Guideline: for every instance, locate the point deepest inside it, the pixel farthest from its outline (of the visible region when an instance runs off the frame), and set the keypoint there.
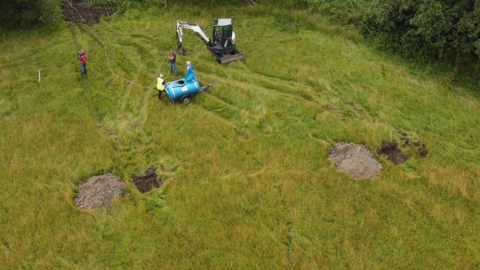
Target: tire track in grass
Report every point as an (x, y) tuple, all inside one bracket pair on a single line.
[(144, 49), (140, 49), (257, 106), (239, 113), (250, 85), (129, 59), (257, 103), (97, 39), (254, 88), (279, 85), (243, 113), (130, 114), (145, 62), (220, 108), (124, 131), (88, 89), (236, 101), (218, 116), (253, 114), (148, 38), (71, 28)]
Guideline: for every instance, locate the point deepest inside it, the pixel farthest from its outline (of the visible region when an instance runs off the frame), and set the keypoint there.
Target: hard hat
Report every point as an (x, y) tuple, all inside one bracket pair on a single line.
[(161, 75)]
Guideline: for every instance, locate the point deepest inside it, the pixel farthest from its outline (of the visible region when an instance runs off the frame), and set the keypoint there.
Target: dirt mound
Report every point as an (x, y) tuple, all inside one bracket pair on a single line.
[(100, 191), (79, 11), (355, 160), (147, 182), (391, 152)]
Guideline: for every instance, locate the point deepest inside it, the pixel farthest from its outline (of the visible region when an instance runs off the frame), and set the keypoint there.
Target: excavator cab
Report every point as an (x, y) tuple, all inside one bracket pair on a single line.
[(223, 41)]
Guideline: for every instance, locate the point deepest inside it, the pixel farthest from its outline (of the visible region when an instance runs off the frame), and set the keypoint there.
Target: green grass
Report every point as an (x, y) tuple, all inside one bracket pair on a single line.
[(248, 184)]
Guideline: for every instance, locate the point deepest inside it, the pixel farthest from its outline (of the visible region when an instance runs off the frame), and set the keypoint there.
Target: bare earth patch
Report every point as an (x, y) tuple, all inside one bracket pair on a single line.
[(80, 11), (355, 160), (147, 182), (395, 152), (391, 152), (100, 191)]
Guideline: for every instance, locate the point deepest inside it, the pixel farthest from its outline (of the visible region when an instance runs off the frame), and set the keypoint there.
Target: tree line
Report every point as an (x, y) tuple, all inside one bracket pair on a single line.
[(424, 29)]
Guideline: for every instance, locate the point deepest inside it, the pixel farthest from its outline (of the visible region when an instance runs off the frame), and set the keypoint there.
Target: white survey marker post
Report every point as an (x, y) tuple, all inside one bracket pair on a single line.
[(39, 75)]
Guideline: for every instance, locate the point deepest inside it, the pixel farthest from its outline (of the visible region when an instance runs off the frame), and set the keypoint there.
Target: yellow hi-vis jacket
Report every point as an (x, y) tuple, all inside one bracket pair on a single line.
[(160, 85)]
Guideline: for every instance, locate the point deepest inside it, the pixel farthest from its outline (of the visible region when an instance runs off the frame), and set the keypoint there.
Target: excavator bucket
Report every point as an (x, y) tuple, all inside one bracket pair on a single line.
[(231, 58), (181, 50)]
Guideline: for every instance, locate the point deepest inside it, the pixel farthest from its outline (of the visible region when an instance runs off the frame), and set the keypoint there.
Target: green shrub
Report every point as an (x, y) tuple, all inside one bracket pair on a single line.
[(447, 30), (21, 14)]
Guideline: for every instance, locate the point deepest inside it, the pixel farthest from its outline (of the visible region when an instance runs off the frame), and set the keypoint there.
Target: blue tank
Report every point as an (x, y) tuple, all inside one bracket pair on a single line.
[(179, 88), (187, 87)]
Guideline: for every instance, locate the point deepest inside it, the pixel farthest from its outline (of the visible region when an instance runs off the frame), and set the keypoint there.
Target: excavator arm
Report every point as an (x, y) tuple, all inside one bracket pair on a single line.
[(192, 26)]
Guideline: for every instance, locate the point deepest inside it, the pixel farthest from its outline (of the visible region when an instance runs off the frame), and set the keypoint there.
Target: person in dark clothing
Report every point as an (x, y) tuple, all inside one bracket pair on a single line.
[(82, 57), (173, 62)]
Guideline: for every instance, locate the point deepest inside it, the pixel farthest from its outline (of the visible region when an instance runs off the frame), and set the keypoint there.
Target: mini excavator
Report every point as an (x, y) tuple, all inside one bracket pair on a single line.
[(222, 45)]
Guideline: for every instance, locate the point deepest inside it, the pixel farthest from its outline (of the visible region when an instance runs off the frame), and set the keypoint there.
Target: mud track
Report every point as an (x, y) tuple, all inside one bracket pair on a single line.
[(80, 11)]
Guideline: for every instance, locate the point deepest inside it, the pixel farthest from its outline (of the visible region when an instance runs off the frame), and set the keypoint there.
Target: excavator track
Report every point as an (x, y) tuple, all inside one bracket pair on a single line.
[(231, 58), (227, 58)]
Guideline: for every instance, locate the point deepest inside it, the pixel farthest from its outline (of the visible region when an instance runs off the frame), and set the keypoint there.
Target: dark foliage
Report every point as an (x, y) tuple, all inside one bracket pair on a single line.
[(447, 29), (22, 14)]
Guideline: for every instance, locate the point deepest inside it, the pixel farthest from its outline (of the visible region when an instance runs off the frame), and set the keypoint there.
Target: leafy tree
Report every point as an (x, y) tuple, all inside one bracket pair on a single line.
[(443, 29), (21, 14)]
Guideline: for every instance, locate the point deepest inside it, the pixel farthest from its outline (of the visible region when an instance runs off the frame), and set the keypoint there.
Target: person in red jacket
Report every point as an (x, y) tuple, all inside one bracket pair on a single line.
[(82, 57)]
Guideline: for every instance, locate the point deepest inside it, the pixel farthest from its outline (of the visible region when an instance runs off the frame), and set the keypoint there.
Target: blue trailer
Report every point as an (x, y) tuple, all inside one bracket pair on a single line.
[(184, 90)]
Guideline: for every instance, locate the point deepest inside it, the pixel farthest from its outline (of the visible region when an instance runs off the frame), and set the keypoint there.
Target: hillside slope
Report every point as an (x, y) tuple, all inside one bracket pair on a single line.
[(248, 183)]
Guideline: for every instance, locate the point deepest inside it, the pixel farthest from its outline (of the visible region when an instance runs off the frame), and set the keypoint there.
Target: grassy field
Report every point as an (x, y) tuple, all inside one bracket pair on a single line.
[(248, 183)]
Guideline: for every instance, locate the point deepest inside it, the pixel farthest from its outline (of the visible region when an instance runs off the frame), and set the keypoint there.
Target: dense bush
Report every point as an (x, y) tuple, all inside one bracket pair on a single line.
[(23, 14), (445, 29)]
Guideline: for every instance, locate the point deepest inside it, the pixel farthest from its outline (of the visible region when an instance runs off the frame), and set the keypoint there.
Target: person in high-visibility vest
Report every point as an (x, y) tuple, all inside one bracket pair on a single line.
[(161, 86)]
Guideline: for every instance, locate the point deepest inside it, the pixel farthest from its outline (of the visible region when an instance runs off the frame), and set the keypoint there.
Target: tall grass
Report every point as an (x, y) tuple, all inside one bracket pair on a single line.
[(248, 183)]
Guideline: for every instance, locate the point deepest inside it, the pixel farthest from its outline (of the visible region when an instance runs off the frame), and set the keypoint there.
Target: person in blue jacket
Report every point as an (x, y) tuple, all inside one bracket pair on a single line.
[(190, 73)]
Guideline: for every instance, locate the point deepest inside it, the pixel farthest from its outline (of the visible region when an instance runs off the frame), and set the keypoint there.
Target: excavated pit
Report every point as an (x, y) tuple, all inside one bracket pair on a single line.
[(148, 181), (100, 191), (355, 160), (395, 152), (391, 152)]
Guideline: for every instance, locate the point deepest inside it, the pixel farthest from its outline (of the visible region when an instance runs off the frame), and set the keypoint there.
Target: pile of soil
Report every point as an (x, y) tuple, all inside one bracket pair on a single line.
[(79, 11), (355, 160), (100, 191), (391, 152), (147, 182)]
